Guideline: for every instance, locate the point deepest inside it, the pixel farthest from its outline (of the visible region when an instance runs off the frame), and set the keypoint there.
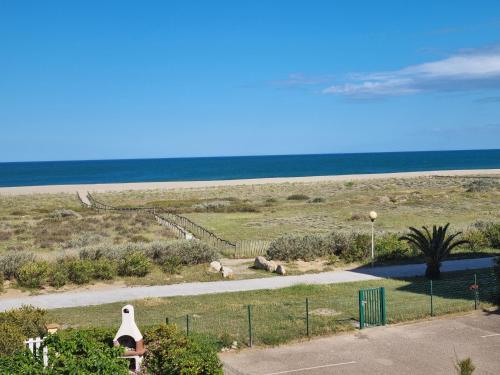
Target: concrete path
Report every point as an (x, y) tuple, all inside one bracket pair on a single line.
[(424, 348), (98, 297)]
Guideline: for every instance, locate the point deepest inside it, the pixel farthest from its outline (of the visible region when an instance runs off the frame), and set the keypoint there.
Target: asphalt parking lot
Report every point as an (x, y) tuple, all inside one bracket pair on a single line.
[(428, 347)]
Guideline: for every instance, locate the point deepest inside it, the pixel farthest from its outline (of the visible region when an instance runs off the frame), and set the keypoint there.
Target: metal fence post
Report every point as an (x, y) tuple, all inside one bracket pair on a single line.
[(476, 292), (250, 338), (361, 309), (187, 324), (307, 316), (432, 304), (166, 320), (382, 306)]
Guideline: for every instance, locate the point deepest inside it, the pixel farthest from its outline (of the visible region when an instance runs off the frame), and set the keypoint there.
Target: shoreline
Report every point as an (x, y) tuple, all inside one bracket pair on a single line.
[(167, 185)]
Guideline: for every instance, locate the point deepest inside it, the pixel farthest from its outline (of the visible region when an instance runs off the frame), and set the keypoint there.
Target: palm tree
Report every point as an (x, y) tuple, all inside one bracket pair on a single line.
[(435, 247)]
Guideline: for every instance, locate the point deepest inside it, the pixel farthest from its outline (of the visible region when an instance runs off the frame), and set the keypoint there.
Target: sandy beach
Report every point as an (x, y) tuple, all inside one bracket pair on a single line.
[(53, 189)]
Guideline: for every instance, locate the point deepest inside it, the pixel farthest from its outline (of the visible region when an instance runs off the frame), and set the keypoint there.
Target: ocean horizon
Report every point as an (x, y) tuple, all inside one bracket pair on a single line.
[(13, 174)]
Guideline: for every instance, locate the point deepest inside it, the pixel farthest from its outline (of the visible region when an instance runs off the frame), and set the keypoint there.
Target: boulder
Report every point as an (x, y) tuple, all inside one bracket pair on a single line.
[(271, 266), (226, 272), (280, 270), (215, 266), (262, 263)]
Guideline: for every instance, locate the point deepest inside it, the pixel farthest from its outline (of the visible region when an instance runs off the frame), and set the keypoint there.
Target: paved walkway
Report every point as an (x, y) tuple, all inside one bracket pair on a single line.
[(424, 348), (98, 297)]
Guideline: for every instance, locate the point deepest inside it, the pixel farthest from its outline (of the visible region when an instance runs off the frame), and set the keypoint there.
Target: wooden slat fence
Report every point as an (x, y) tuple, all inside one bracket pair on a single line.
[(251, 248), (180, 225)]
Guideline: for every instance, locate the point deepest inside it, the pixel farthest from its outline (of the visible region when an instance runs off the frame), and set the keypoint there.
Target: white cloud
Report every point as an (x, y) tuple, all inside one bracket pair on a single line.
[(469, 71)]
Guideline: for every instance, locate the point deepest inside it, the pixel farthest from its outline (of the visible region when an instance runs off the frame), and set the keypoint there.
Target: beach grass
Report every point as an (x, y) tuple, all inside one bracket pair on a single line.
[(252, 212)]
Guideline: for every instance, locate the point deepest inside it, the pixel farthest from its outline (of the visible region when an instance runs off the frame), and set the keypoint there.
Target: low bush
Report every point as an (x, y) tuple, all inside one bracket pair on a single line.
[(187, 252), (5, 235), (22, 361), (294, 247), (12, 261), (492, 233), (349, 247), (134, 263), (476, 239), (104, 269), (57, 276), (72, 352), (33, 274), (297, 197), (317, 200), (80, 271), (78, 352), (11, 339), (85, 239), (29, 320), (172, 265), (389, 247), (359, 247), (171, 352)]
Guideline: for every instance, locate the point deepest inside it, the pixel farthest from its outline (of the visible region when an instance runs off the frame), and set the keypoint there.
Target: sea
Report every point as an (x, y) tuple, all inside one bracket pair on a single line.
[(239, 167)]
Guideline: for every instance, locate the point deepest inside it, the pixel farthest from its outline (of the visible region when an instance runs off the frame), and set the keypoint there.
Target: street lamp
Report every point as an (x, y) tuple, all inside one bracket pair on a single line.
[(373, 216)]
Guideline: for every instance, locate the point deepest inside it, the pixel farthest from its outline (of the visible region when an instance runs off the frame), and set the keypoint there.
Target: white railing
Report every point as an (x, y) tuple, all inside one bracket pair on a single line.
[(34, 346)]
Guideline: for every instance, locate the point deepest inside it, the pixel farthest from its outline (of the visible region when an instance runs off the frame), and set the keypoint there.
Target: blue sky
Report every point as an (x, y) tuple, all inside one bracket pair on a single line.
[(123, 79)]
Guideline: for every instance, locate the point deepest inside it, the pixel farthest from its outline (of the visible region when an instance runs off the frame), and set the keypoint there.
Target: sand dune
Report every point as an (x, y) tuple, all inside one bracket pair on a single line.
[(51, 189)]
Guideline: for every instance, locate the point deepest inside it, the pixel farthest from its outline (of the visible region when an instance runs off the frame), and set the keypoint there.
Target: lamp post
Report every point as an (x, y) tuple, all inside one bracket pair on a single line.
[(373, 216)]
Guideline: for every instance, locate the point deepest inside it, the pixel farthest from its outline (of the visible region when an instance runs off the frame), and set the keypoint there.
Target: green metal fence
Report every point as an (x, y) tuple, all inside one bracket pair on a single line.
[(281, 315), (274, 323)]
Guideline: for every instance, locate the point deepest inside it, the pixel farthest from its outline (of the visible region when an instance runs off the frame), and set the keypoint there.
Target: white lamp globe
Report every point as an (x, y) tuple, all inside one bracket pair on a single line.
[(373, 215)]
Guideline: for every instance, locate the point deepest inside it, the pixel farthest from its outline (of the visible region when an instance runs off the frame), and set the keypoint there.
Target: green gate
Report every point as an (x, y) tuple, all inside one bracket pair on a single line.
[(371, 307)]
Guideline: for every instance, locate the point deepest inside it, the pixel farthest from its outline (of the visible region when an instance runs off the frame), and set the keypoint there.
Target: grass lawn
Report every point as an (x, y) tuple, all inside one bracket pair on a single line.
[(279, 315)]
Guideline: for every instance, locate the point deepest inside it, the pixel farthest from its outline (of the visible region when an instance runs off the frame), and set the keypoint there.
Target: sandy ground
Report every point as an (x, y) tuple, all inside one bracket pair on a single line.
[(50, 189), (426, 348)]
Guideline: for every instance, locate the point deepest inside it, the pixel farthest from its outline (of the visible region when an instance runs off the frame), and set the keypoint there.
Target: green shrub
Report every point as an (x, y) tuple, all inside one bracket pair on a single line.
[(172, 265), (33, 274), (58, 276), (11, 339), (297, 197), (84, 239), (171, 352), (104, 269), (359, 247), (187, 252), (389, 247), (337, 243), (492, 234), (465, 367), (30, 320), (78, 352), (476, 238), (293, 247), (134, 263), (12, 261), (22, 362), (80, 271)]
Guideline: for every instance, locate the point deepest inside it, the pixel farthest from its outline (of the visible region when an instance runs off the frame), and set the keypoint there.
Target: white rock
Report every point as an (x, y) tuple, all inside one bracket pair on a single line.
[(215, 266), (280, 270), (226, 272), (262, 263)]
